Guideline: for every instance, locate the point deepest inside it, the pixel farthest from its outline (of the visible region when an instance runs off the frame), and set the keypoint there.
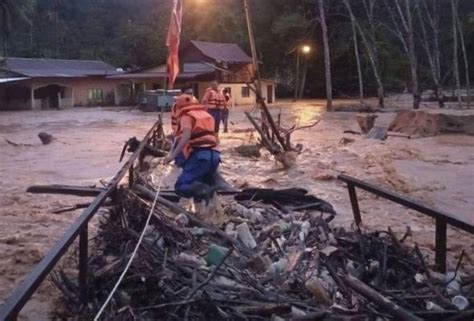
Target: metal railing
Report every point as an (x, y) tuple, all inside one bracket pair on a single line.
[(20, 296), (442, 219)]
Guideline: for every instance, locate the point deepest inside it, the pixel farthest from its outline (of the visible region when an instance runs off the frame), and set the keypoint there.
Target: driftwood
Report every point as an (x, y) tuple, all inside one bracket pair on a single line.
[(17, 144), (70, 208), (192, 218), (132, 144), (184, 268), (170, 278), (379, 299), (64, 189), (272, 148), (286, 199), (248, 150)]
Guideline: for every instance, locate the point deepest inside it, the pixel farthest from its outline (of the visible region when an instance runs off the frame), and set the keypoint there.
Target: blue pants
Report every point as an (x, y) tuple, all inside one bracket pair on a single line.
[(216, 114), (200, 167)]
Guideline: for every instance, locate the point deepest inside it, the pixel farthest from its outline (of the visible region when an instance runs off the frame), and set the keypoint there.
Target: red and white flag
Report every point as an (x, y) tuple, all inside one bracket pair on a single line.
[(172, 41)]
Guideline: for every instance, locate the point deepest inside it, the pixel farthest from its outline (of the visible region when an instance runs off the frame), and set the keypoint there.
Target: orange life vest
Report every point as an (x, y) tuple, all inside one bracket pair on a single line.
[(215, 99), (178, 106), (202, 133)]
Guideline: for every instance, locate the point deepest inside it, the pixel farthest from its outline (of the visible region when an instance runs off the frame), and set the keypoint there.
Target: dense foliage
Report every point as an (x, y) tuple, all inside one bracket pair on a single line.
[(131, 33)]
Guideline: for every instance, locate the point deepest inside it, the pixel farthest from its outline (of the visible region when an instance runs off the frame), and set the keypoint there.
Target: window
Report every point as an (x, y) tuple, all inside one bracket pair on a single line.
[(96, 95), (245, 91)]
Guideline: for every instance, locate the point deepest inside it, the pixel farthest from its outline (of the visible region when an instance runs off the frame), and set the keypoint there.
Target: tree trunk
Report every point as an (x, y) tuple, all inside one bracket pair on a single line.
[(432, 53), (5, 32), (371, 52), (437, 54), (357, 56), (466, 63), (56, 18), (4, 46), (327, 57), (412, 57), (454, 7)]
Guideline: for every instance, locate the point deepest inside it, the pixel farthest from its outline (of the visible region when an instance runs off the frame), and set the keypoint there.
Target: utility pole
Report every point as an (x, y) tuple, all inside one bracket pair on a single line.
[(297, 73), (253, 48)]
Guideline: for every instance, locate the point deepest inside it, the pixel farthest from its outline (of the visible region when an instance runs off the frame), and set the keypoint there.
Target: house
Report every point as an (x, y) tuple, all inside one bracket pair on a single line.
[(201, 63), (28, 83)]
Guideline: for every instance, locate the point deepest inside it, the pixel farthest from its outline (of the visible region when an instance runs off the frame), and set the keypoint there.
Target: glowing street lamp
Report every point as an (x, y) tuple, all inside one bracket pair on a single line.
[(306, 49)]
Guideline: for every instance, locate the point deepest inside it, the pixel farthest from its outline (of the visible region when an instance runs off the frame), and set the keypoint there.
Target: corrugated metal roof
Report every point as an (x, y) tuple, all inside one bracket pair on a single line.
[(197, 67), (5, 80), (190, 70), (39, 67), (222, 52)]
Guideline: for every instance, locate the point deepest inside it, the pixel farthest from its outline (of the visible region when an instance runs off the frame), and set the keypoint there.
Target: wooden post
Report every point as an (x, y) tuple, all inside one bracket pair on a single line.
[(441, 244), (354, 204)]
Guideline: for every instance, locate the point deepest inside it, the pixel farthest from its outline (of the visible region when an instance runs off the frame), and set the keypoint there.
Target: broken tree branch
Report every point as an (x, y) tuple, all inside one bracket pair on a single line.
[(379, 300)]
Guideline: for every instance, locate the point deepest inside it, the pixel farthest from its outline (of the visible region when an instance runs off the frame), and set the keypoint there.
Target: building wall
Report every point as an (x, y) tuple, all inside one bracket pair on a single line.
[(236, 93), (81, 89), (237, 90), (265, 84), (77, 90), (240, 73)]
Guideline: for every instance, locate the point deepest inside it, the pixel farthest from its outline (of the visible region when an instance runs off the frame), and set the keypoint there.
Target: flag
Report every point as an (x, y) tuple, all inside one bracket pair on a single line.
[(172, 42)]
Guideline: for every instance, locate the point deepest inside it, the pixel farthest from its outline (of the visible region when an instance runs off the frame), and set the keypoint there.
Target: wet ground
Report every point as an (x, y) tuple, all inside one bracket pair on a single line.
[(437, 170)]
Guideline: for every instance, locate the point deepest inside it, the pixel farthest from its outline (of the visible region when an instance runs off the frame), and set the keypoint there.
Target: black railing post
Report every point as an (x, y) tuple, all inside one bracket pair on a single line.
[(440, 244), (83, 264), (354, 204), (130, 177)]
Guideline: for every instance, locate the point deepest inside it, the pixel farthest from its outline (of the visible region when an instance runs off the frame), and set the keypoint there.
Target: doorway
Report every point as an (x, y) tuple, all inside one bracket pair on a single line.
[(50, 96)]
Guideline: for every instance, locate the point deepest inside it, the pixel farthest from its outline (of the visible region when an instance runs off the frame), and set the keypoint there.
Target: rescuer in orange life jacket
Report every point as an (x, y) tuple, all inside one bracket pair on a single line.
[(214, 100), (198, 143), (179, 160)]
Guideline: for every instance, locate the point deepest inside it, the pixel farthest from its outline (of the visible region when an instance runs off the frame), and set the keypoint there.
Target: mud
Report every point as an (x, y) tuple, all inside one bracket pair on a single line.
[(437, 170)]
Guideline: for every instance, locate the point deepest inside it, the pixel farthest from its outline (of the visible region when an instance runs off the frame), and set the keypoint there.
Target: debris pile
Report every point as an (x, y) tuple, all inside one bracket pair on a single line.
[(430, 124), (276, 258)]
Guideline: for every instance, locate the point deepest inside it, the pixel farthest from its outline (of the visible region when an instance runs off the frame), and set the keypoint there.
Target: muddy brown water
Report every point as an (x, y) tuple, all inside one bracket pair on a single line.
[(437, 170)]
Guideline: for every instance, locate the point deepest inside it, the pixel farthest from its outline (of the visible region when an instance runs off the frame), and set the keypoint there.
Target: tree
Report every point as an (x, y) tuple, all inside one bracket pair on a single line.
[(401, 14), (327, 57), (11, 11), (454, 13), (357, 56), (429, 15), (369, 40), (466, 60)]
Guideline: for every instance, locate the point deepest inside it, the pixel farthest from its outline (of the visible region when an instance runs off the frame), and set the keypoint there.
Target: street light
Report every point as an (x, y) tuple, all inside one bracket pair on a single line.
[(305, 49)]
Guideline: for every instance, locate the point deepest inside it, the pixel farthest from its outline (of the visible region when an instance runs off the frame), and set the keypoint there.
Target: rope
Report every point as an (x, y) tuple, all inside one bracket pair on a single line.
[(129, 263)]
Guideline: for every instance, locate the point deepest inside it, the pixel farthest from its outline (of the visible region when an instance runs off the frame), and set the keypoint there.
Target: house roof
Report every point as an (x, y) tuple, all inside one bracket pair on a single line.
[(39, 67), (8, 80), (222, 52), (190, 70)]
